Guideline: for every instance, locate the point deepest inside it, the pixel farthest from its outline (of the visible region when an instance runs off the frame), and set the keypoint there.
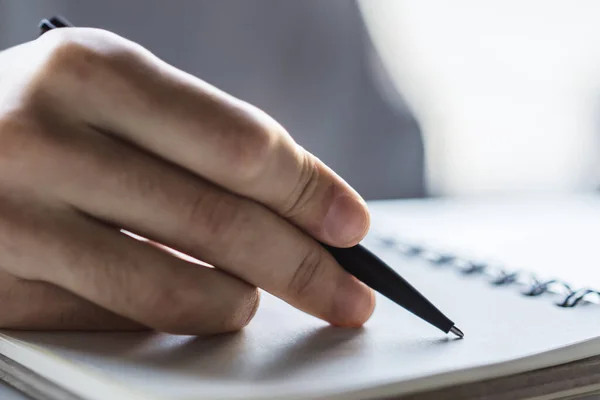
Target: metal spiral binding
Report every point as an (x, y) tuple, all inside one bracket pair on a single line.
[(499, 276)]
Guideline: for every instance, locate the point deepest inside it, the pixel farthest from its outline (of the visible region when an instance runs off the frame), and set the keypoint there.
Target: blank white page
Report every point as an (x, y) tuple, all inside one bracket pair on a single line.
[(552, 236), (285, 353)]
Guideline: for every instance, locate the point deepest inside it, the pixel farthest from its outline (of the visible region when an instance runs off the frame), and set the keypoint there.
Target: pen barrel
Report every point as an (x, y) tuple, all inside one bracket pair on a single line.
[(372, 271)]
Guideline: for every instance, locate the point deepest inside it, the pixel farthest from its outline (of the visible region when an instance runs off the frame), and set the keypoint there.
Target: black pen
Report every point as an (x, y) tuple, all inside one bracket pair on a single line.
[(358, 261), (373, 272), (52, 23)]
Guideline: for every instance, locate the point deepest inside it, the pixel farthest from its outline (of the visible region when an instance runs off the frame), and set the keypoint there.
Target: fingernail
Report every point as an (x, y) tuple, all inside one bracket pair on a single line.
[(346, 221), (353, 303)]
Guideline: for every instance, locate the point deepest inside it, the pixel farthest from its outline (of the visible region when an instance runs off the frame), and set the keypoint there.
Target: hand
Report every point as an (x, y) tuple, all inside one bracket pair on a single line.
[(97, 135)]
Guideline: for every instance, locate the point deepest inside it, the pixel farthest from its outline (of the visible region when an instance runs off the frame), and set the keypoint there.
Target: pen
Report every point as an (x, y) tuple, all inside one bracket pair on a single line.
[(373, 272), (52, 23), (360, 262)]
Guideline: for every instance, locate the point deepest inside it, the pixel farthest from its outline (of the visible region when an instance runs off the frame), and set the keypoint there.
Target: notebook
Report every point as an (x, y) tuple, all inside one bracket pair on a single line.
[(526, 336)]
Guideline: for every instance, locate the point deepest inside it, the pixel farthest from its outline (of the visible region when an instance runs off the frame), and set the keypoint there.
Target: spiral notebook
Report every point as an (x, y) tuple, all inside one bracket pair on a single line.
[(493, 267)]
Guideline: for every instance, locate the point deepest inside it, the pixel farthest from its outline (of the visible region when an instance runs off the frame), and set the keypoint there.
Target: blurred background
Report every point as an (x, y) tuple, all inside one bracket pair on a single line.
[(506, 92), (403, 98)]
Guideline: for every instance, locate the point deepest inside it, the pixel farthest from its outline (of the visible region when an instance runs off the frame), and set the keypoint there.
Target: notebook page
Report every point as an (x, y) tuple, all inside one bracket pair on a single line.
[(285, 353), (552, 236)]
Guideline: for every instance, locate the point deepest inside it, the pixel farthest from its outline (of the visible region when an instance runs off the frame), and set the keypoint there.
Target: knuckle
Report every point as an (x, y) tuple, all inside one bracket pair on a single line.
[(305, 190), (68, 56), (304, 281), (75, 58), (247, 144), (216, 214)]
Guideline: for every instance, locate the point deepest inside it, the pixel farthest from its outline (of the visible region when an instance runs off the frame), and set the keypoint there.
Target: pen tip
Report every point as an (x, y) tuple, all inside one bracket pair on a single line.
[(457, 332)]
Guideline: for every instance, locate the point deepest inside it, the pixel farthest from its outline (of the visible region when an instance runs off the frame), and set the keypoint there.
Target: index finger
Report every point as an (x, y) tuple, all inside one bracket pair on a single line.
[(123, 89)]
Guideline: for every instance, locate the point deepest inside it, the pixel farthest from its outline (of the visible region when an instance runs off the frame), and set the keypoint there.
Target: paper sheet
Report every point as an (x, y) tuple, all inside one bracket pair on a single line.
[(285, 353)]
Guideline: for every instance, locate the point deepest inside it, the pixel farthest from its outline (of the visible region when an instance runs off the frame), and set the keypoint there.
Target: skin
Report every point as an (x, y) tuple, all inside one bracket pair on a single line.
[(97, 135)]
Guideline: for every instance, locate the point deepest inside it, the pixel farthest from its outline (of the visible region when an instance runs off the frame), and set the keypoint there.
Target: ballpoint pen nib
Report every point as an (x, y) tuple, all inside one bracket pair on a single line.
[(457, 332)]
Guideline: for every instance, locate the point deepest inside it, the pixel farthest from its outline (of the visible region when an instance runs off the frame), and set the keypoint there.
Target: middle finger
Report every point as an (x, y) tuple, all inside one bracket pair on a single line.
[(153, 198)]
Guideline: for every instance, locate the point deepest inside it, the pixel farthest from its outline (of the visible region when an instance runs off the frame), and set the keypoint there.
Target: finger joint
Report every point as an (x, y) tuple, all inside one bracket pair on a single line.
[(215, 215), (304, 191), (307, 273), (247, 145)]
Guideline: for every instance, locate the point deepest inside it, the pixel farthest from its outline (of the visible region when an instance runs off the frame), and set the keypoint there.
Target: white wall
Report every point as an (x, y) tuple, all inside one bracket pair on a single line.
[(506, 91)]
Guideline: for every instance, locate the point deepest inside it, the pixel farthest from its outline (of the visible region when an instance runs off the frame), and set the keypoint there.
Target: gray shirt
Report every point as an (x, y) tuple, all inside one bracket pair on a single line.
[(307, 63)]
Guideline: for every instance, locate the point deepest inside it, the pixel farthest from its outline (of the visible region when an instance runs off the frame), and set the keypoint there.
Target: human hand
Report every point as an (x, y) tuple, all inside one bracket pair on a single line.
[(98, 135)]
